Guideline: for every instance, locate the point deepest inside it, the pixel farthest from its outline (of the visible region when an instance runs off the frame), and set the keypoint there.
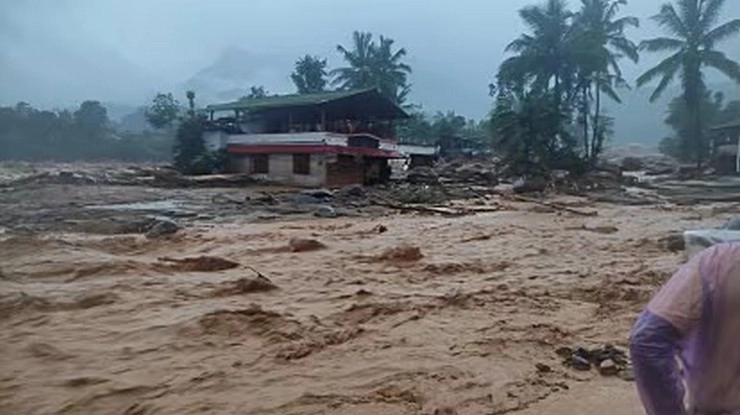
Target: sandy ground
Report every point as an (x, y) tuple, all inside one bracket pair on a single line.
[(95, 324)]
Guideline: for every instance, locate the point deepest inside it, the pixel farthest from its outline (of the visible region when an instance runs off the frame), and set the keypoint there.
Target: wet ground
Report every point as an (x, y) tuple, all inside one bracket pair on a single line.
[(392, 314)]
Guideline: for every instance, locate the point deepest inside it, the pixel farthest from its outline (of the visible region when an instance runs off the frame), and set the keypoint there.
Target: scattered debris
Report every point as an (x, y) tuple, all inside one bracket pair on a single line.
[(608, 368), (608, 360), (422, 175), (529, 185), (555, 206)]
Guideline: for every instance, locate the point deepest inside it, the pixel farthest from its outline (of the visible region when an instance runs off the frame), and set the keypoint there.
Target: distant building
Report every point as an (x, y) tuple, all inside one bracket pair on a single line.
[(419, 155), (726, 147), (327, 139)]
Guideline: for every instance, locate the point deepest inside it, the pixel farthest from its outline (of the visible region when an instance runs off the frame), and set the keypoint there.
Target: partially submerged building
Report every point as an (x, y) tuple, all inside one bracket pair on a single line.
[(327, 139), (726, 147)]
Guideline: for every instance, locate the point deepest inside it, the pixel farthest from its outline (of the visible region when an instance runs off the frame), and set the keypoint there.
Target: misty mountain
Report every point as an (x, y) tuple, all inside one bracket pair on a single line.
[(235, 70)]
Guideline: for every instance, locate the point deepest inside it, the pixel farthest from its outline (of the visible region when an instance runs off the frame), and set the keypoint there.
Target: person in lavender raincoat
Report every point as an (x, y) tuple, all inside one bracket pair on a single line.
[(685, 346)]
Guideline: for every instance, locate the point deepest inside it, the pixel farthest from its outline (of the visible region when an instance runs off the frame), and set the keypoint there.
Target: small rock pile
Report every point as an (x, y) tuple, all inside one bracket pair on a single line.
[(608, 360)]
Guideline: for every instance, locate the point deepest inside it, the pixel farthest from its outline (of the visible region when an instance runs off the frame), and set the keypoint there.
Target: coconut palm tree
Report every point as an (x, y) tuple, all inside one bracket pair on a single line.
[(390, 70), (359, 72), (601, 43), (372, 64), (544, 56), (691, 23)]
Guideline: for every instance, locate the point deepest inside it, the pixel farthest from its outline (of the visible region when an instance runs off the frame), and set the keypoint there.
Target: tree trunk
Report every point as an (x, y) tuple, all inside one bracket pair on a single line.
[(585, 113), (597, 140)]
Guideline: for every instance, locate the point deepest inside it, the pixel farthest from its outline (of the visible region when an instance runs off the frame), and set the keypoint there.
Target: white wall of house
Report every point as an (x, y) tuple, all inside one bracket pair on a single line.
[(289, 138), (281, 169)]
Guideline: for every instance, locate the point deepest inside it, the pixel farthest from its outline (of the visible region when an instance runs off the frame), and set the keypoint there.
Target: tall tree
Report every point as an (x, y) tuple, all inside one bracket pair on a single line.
[(163, 111), (544, 57), (535, 91), (309, 75), (600, 43), (373, 65), (693, 40)]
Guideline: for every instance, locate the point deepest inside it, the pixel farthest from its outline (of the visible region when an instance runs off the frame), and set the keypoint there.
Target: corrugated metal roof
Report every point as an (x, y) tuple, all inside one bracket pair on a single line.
[(285, 101)]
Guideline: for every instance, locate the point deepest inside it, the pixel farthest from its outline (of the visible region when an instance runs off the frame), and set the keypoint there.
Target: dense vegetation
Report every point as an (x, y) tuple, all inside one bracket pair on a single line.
[(693, 47), (547, 113), (27, 133)]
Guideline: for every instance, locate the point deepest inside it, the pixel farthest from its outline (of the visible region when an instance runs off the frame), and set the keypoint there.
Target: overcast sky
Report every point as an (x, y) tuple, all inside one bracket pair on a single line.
[(58, 52)]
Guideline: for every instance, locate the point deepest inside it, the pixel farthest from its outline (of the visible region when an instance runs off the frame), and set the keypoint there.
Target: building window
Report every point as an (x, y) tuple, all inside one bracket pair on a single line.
[(260, 164), (302, 164)]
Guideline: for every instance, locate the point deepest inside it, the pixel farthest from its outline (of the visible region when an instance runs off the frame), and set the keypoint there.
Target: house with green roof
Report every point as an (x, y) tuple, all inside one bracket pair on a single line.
[(327, 139)]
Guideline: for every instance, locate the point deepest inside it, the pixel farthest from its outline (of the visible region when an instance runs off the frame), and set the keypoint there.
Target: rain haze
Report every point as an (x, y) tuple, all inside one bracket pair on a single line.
[(59, 53)]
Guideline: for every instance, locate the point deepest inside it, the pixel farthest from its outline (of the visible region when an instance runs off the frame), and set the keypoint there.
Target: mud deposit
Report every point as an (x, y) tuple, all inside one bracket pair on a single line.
[(430, 316)]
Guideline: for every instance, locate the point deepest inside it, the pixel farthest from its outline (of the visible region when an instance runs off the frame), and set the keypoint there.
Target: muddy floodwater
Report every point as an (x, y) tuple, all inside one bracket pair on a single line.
[(393, 314)]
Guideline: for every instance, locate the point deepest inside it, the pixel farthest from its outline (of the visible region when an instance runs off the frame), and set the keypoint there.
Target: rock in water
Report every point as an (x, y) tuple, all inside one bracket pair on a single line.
[(162, 227), (580, 363), (319, 193), (325, 212), (608, 368)]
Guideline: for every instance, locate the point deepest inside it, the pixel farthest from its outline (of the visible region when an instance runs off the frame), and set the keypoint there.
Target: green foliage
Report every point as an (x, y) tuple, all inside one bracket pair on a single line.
[(85, 134), (530, 133), (557, 77), (163, 111), (309, 75), (713, 111), (189, 153), (691, 47), (374, 65)]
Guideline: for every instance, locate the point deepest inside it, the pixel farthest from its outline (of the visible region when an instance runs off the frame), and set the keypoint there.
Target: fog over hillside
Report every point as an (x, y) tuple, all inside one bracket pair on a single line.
[(56, 53)]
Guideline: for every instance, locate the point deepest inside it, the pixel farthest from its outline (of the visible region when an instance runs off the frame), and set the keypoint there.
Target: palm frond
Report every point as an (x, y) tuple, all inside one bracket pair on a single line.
[(607, 89), (668, 66), (668, 18), (722, 63), (521, 44), (626, 47), (623, 23), (662, 44), (710, 14), (722, 33)]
